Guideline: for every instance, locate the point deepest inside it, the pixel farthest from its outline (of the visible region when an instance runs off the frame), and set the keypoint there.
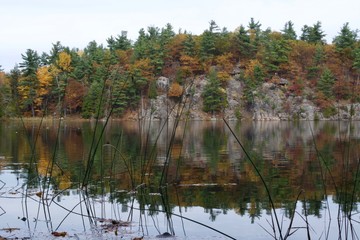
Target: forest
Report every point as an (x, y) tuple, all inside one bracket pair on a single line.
[(100, 80)]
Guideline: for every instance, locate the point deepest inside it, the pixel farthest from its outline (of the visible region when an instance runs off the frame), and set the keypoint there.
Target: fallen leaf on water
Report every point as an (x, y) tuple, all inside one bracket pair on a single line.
[(59, 234), (39, 194)]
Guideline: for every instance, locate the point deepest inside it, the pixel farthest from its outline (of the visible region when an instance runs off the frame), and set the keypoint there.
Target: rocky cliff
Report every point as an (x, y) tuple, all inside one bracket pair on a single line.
[(272, 101)]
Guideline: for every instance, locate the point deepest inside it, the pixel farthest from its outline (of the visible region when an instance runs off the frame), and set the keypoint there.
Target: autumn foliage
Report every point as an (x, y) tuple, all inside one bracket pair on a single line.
[(176, 90), (99, 79)]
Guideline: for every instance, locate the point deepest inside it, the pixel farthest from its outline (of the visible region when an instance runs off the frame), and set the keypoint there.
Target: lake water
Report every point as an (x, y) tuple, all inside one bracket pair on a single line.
[(120, 180)]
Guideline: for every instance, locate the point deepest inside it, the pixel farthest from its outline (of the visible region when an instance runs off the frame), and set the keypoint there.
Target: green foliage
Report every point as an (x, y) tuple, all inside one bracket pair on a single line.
[(119, 94), (313, 34), (326, 83), (126, 71), (189, 46), (317, 62), (254, 31), (152, 90), (319, 56), (329, 111), (346, 40), (316, 116), (29, 83), (2, 100), (356, 63), (208, 40), (214, 96), (276, 52), (254, 77), (121, 42), (254, 26), (352, 110), (152, 45), (93, 102), (30, 64), (14, 77), (289, 31), (249, 89), (243, 44), (238, 113)]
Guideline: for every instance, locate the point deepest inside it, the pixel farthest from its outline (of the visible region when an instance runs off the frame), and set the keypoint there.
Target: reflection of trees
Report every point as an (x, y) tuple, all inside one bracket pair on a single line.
[(214, 141), (313, 207), (284, 152)]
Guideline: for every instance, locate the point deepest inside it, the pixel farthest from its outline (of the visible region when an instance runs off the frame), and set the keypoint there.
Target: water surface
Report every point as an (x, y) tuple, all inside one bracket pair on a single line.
[(193, 181)]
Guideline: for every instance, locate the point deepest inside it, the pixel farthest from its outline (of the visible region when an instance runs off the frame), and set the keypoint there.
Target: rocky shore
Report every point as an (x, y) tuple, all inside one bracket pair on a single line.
[(272, 102)]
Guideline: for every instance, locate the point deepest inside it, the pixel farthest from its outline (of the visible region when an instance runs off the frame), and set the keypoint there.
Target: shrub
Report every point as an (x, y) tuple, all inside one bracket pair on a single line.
[(176, 90), (329, 111)]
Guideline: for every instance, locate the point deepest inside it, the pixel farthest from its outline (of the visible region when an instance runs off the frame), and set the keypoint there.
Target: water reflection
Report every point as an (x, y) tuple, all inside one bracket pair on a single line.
[(202, 163)]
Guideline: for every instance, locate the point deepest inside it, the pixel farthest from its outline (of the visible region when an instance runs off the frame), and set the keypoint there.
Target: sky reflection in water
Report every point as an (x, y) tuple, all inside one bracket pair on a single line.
[(209, 178)]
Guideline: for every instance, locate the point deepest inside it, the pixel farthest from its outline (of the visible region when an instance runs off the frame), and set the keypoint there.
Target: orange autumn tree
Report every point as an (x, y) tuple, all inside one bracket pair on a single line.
[(141, 75), (176, 90), (74, 95), (190, 66), (174, 49)]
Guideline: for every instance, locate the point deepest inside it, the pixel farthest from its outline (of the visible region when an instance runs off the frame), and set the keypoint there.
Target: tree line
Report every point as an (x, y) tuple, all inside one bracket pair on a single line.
[(99, 80)]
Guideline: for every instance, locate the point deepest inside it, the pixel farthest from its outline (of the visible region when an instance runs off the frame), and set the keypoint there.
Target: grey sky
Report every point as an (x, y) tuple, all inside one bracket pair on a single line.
[(36, 24)]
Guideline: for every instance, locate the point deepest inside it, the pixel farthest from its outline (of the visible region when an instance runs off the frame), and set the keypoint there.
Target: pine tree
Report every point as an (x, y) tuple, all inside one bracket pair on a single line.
[(121, 42), (214, 96), (346, 39), (29, 82), (345, 43), (289, 31), (275, 52), (326, 83), (14, 78), (93, 105), (208, 41), (189, 45), (317, 62), (313, 34)]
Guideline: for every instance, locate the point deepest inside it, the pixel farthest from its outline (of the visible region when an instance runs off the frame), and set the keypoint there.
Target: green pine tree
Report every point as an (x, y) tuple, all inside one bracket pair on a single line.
[(289, 31), (326, 83), (214, 96), (29, 66)]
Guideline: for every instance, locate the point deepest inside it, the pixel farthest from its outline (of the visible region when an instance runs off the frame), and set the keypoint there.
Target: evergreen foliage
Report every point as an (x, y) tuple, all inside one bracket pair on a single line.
[(289, 31), (115, 78), (313, 34), (326, 83), (214, 96)]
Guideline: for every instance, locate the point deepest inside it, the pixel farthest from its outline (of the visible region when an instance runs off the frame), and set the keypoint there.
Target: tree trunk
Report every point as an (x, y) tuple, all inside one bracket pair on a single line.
[(32, 110)]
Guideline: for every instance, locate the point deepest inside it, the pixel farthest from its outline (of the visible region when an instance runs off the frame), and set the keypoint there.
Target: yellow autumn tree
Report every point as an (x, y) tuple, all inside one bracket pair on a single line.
[(143, 68), (64, 62), (45, 79), (123, 57), (251, 69), (224, 65)]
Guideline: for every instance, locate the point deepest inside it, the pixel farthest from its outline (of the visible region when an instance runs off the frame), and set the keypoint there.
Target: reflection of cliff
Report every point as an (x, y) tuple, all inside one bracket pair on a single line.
[(206, 164)]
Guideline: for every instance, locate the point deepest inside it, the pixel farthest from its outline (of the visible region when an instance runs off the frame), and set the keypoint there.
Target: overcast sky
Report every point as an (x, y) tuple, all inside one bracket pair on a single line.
[(36, 24)]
